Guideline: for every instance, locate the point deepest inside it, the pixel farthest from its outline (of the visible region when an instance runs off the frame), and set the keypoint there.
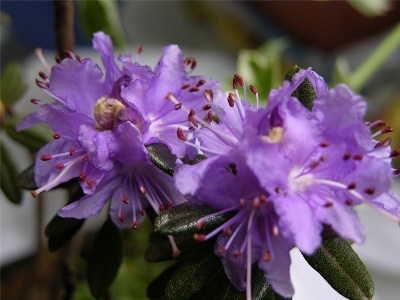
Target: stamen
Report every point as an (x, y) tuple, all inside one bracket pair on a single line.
[(382, 131), (69, 54), (56, 136), (347, 155), (328, 204), (45, 157), (175, 251), (143, 213), (140, 49), (91, 182), (170, 204), (36, 101), (200, 82), (206, 107), (352, 186), (267, 256), (396, 172), (194, 89), (39, 54), (83, 176), (384, 143), (180, 134), (185, 86), (59, 166), (209, 95), (349, 202), (178, 106), (324, 145), (369, 191), (231, 100), (78, 58), (377, 123), (125, 199), (254, 90), (239, 79), (191, 118), (135, 225), (58, 59), (121, 216), (395, 153), (209, 116), (43, 75), (358, 157), (275, 230), (41, 84)]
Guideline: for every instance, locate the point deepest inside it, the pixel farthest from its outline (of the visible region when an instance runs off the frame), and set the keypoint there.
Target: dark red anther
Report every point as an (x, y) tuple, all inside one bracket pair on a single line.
[(395, 153), (142, 190), (253, 89), (35, 101), (234, 83), (69, 54), (56, 136), (384, 143), (242, 202), (199, 237), (143, 213), (91, 182), (328, 204), (191, 118), (387, 130), (59, 166), (368, 123), (347, 155), (314, 164), (209, 95), (71, 152), (190, 61), (86, 158), (206, 107), (34, 194), (221, 250), (180, 134), (209, 117), (140, 49), (194, 89), (369, 191), (358, 157), (178, 106), (324, 145), (125, 199), (170, 203), (267, 256), (352, 186), (231, 100), (135, 225), (239, 79), (45, 157), (58, 59), (275, 230), (121, 216), (200, 224), (237, 253), (323, 158), (200, 82), (41, 84), (349, 202), (396, 172), (263, 199), (185, 86), (43, 75), (228, 231), (278, 190), (161, 207), (191, 128), (378, 124), (78, 58), (83, 176)]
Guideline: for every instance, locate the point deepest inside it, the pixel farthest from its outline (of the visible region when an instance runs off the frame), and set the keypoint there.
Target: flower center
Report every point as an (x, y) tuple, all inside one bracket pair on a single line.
[(106, 111), (274, 135), (298, 183)]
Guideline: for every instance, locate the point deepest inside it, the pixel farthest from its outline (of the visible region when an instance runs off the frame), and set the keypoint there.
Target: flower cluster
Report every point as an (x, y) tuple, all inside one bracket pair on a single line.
[(284, 171)]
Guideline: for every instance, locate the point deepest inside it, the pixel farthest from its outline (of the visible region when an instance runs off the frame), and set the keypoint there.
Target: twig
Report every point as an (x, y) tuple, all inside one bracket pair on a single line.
[(64, 25)]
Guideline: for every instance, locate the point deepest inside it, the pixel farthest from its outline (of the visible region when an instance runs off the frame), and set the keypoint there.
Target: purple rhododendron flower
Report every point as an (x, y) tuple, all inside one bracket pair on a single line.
[(312, 167), (102, 124)]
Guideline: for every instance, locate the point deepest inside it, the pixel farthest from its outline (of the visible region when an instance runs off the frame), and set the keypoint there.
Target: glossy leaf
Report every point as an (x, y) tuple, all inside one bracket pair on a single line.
[(182, 219), (104, 259), (9, 176), (12, 86), (162, 157), (341, 267), (305, 92), (30, 138)]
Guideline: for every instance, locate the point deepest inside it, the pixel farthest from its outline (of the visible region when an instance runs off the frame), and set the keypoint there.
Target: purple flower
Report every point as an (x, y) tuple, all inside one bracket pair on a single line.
[(102, 125), (313, 167)]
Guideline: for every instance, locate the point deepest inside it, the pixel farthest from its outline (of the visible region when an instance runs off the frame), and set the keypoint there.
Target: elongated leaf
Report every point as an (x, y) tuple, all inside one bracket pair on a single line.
[(26, 179), (162, 157), (29, 138), (182, 220), (156, 289), (341, 267), (305, 92), (105, 259), (12, 87), (9, 176)]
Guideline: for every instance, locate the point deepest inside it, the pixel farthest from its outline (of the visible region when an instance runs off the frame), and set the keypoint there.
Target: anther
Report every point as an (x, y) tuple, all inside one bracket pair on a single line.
[(200, 224), (59, 166), (45, 157), (209, 117), (221, 250), (125, 199), (228, 231), (34, 194), (41, 84), (324, 145), (161, 207), (314, 164), (35, 101), (347, 155), (58, 59), (369, 191), (91, 182), (121, 216), (199, 237), (135, 225), (69, 54), (231, 100), (352, 186), (242, 202), (263, 199), (206, 107), (177, 106), (43, 75), (234, 83), (395, 153), (142, 190), (140, 49), (278, 190), (384, 143), (378, 123), (256, 202), (396, 172), (71, 152), (387, 130), (275, 230), (56, 136), (239, 79), (143, 213), (180, 134), (323, 158), (191, 118), (86, 158), (170, 204), (253, 89), (83, 176), (349, 202), (185, 86), (78, 58), (200, 82), (358, 157), (237, 253), (194, 89), (328, 204), (267, 256), (209, 95)]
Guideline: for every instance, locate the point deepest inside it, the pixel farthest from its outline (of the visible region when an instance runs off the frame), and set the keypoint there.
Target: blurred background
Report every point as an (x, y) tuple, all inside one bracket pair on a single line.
[(260, 40)]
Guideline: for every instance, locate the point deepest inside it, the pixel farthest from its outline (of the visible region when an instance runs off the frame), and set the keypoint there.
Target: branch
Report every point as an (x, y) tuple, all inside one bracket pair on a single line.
[(64, 25)]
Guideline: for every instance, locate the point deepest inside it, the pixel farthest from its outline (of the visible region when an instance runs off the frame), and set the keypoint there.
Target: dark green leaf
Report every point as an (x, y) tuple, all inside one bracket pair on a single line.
[(162, 157), (305, 92), (9, 176), (156, 289), (12, 86), (182, 219), (341, 267), (105, 259), (101, 15), (29, 138), (26, 179)]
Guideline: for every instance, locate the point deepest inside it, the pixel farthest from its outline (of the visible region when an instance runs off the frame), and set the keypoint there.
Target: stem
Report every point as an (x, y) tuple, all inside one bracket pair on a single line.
[(374, 61), (64, 25)]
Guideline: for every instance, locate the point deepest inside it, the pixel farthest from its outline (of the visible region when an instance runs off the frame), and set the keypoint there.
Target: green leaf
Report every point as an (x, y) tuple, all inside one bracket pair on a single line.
[(26, 179), (182, 220), (29, 138), (156, 289), (305, 91), (61, 230), (9, 176), (101, 15), (105, 259), (341, 267), (162, 157), (12, 86)]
